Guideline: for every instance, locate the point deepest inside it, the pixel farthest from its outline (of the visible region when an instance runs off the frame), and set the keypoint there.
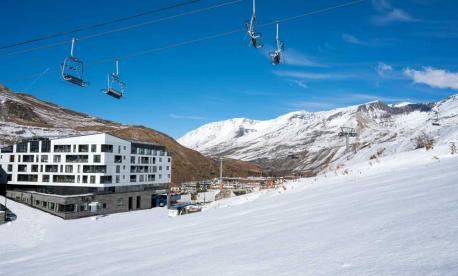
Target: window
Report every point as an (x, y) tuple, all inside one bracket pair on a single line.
[(11, 158), (141, 178), (133, 178), (21, 147), (92, 179), (117, 179), (34, 146), (132, 159), (96, 158), (76, 158), (56, 158), (160, 168), (8, 149), (34, 168), (167, 168), (62, 148), (118, 159), (10, 168), (94, 169), (118, 169), (44, 159), (51, 168), (154, 160), (105, 179), (69, 168), (74, 148), (63, 178), (22, 168), (160, 159), (138, 202), (107, 148), (84, 178), (45, 146), (83, 148), (151, 177), (45, 178), (104, 205), (119, 149), (27, 178), (93, 148), (168, 160), (27, 158)]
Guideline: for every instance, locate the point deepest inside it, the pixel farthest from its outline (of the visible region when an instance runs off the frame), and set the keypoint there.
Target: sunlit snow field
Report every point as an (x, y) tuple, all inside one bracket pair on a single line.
[(394, 216)]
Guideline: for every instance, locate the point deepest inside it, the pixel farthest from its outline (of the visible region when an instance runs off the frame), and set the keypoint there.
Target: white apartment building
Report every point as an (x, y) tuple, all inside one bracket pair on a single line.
[(98, 164)]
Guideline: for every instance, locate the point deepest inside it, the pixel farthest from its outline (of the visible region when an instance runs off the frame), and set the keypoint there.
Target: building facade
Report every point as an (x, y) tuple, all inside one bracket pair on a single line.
[(85, 175)]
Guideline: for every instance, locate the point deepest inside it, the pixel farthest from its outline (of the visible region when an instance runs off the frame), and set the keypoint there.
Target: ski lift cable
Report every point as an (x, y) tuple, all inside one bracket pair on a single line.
[(274, 22), (98, 25), (219, 35), (125, 28)]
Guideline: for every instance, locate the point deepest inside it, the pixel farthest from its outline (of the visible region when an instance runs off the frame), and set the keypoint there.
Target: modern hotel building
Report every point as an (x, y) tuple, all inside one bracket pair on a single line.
[(85, 175)]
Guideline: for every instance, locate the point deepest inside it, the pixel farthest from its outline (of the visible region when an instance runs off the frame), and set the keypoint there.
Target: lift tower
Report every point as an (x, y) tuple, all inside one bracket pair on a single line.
[(347, 132)]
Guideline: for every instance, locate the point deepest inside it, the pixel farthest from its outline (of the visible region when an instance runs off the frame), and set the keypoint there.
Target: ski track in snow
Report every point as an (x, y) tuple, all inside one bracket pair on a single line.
[(394, 217)]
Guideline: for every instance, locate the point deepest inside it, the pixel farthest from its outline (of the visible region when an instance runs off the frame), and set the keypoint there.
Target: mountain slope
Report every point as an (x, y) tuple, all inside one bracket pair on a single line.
[(397, 217), (309, 142), (22, 115)]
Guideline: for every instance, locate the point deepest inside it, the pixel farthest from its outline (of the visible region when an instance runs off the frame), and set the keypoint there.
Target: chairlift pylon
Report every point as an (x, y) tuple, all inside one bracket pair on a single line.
[(275, 56), (115, 86), (253, 35), (72, 69)]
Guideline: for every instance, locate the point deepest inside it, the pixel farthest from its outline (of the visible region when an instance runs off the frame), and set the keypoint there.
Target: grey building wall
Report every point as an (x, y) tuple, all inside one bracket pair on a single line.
[(108, 203)]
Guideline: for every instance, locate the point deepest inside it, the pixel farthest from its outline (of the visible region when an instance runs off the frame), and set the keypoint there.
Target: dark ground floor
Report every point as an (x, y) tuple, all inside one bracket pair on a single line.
[(91, 204)]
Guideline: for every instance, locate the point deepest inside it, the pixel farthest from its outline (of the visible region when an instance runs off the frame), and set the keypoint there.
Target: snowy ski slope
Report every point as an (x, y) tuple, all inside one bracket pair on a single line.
[(394, 216)]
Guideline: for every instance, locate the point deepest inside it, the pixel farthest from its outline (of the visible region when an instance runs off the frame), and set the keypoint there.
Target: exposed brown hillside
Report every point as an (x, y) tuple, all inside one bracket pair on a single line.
[(22, 115)]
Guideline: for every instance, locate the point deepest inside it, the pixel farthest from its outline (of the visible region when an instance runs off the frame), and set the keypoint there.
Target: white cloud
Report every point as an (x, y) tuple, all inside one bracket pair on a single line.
[(353, 40), (388, 14), (437, 78), (383, 69), (186, 117), (308, 76), (296, 58), (301, 84)]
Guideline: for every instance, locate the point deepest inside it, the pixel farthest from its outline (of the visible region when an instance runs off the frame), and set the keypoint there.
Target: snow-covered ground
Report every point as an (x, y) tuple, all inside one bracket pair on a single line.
[(394, 216)]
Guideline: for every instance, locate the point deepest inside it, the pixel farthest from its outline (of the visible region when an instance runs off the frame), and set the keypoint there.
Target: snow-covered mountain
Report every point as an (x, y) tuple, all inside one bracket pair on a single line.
[(309, 141)]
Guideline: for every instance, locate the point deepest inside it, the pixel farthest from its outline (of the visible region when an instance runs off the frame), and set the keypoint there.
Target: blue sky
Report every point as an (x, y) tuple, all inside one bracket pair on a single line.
[(389, 50)]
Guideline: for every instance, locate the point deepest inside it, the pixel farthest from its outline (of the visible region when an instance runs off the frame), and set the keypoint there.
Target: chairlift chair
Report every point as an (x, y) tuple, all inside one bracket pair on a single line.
[(115, 86), (436, 119), (72, 69), (254, 36), (275, 56)]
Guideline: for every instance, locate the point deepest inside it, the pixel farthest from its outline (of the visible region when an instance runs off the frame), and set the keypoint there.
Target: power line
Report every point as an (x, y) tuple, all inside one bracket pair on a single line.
[(220, 5), (85, 28), (219, 35)]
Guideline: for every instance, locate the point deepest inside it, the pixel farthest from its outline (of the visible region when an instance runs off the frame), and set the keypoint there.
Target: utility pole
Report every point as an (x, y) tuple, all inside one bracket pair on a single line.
[(221, 170), (347, 132)]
